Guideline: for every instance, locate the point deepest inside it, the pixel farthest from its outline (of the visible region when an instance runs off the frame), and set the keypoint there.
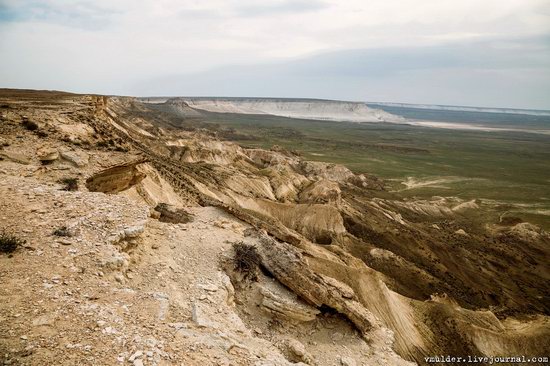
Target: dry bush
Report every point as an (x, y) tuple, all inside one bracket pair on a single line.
[(71, 184), (62, 231), (9, 243), (30, 125), (246, 260)]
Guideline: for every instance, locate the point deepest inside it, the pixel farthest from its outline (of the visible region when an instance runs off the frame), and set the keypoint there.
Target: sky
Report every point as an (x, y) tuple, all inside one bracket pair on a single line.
[(492, 53)]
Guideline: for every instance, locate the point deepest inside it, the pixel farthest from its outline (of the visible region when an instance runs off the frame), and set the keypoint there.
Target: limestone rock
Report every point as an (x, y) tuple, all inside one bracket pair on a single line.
[(79, 159), (347, 361), (298, 352), (287, 264), (200, 317), (281, 302), (321, 191), (461, 232), (15, 157), (116, 179), (47, 155)]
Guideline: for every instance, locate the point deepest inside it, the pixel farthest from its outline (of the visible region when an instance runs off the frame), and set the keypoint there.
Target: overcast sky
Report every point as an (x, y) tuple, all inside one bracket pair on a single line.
[(492, 53)]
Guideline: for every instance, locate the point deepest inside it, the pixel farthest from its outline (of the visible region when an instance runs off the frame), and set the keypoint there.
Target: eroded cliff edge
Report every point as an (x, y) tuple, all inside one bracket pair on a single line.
[(346, 273)]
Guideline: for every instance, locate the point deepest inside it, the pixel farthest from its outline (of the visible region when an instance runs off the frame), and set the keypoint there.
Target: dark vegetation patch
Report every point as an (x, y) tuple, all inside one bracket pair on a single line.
[(70, 184), (41, 133), (62, 231), (246, 260), (29, 125), (9, 243), (510, 220), (323, 239)]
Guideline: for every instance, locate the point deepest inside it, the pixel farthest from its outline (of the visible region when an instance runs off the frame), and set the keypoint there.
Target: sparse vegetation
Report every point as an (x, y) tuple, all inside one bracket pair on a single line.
[(70, 184), (246, 260), (9, 243), (395, 152), (275, 323), (62, 231), (41, 134), (29, 125)]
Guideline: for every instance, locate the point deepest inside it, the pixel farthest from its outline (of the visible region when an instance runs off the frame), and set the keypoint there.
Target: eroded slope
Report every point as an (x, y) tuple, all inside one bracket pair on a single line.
[(417, 277)]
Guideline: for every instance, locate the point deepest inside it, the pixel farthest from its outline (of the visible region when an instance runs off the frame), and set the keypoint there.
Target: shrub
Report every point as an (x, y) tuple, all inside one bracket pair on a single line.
[(41, 134), (9, 243), (29, 125), (62, 231), (71, 184), (246, 260)]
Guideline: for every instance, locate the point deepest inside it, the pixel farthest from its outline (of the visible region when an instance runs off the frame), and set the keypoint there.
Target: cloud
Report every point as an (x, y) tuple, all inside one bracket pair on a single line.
[(274, 8), (491, 74), (78, 14), (107, 46)]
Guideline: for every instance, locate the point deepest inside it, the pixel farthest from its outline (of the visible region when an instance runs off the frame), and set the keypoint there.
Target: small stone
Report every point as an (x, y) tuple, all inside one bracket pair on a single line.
[(461, 232), (134, 231), (299, 351), (119, 278), (43, 320), (208, 287), (347, 361), (135, 356), (48, 155), (24, 337)]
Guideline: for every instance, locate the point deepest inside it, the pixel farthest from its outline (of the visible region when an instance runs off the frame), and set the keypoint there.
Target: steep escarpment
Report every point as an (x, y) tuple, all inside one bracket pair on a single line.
[(154, 222), (291, 108)]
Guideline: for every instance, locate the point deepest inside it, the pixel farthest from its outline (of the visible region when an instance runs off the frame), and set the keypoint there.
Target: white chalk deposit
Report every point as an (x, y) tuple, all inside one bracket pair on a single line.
[(293, 108)]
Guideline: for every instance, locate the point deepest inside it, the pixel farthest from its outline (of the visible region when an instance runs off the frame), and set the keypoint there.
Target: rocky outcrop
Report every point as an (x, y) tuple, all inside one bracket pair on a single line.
[(171, 214), (321, 191), (319, 170), (288, 265), (116, 179), (343, 250), (281, 302)]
